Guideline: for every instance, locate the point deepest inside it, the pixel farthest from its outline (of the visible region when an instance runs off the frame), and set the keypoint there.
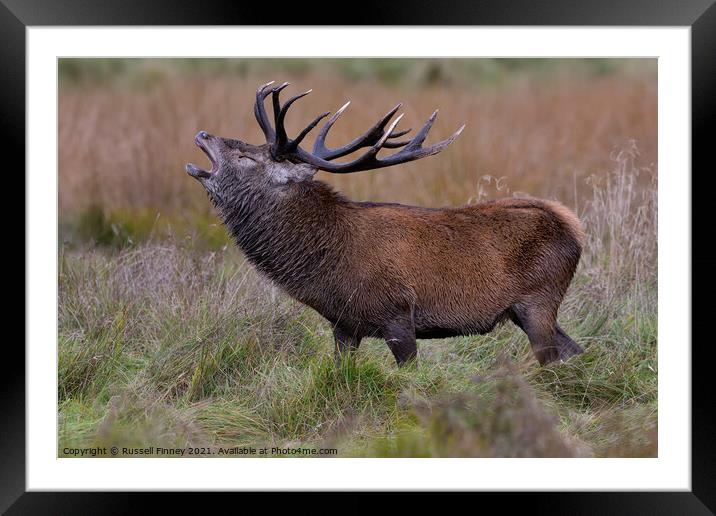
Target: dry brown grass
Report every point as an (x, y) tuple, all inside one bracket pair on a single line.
[(125, 147)]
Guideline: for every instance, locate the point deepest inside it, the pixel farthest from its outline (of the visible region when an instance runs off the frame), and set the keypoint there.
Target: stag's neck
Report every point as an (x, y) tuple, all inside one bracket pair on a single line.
[(292, 235)]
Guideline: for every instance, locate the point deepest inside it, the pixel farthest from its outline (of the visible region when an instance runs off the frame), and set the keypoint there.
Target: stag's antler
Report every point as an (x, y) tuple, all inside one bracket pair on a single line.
[(376, 138), (369, 138)]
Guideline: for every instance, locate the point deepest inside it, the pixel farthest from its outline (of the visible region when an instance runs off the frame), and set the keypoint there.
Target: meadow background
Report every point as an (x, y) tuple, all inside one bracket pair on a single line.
[(167, 337)]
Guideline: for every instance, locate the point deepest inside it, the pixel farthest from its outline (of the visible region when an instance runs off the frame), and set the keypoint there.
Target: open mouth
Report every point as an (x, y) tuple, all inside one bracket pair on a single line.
[(198, 172)]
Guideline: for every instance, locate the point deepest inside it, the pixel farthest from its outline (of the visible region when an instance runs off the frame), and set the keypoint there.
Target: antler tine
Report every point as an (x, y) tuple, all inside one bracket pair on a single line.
[(437, 147), (283, 144), (399, 133), (275, 92), (379, 144), (419, 138), (308, 128), (260, 112), (393, 145), (281, 137), (369, 138), (319, 146)]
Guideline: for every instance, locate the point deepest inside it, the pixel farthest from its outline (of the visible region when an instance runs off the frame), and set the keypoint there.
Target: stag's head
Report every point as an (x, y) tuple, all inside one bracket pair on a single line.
[(281, 160)]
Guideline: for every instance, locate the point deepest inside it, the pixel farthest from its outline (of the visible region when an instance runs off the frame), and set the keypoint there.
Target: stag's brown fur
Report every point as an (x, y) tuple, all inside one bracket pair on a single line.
[(393, 271)]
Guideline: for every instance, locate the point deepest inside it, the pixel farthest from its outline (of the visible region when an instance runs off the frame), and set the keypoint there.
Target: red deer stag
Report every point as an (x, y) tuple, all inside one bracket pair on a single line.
[(387, 270)]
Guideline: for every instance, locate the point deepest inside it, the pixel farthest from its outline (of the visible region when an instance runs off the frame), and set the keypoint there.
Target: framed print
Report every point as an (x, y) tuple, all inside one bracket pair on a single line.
[(462, 263)]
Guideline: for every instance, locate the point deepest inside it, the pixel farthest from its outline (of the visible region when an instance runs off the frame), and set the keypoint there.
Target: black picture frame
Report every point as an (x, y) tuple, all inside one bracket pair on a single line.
[(700, 15)]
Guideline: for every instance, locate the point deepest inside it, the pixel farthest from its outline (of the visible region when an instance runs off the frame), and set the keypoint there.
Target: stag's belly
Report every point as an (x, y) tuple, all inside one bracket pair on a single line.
[(434, 326)]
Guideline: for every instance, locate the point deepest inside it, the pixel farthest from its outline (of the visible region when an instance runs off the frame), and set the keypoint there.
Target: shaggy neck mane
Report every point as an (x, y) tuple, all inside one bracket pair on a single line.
[(290, 235)]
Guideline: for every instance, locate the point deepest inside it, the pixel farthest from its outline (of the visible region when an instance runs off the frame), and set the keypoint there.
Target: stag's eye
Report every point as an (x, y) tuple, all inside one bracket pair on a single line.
[(232, 144)]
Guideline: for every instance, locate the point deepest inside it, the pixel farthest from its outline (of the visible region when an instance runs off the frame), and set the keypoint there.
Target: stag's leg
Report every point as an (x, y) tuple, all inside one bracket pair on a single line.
[(346, 342), (567, 347), (399, 334), (539, 323)]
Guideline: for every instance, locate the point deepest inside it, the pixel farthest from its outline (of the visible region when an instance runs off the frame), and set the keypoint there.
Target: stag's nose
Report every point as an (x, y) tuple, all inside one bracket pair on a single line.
[(203, 135)]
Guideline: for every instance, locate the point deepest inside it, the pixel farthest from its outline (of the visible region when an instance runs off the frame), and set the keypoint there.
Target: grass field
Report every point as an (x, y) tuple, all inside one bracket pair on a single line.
[(167, 337)]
